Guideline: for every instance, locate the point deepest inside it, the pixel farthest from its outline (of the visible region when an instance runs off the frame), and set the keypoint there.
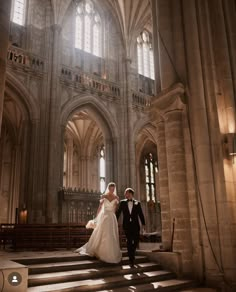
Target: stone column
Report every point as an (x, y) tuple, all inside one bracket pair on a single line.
[(155, 41), (87, 172), (179, 208), (54, 161), (165, 42), (69, 171), (131, 147), (15, 183), (82, 159), (215, 227), (170, 106), (163, 185), (5, 11), (109, 161)]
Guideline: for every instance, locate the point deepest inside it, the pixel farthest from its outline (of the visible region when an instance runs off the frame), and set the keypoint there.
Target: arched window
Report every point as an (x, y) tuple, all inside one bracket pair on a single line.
[(88, 32), (151, 168), (145, 55), (102, 169), (18, 11)]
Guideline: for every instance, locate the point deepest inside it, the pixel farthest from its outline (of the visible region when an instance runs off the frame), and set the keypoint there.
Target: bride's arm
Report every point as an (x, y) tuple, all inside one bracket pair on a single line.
[(117, 203)]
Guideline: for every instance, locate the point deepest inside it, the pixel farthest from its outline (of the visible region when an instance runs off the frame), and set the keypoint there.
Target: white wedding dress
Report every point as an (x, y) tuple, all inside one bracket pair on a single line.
[(104, 242)]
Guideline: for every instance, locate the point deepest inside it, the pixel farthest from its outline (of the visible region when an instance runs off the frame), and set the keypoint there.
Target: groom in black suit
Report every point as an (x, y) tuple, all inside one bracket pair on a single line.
[(132, 212)]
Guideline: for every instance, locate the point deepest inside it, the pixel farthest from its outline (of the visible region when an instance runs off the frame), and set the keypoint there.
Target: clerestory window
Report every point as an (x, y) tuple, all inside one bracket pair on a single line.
[(88, 30), (145, 55), (18, 11)]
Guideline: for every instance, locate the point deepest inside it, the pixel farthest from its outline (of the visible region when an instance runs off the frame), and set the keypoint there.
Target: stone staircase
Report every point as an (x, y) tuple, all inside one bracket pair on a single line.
[(83, 273)]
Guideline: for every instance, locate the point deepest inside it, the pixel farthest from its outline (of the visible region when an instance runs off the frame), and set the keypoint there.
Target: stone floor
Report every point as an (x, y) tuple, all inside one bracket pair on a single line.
[(11, 254)]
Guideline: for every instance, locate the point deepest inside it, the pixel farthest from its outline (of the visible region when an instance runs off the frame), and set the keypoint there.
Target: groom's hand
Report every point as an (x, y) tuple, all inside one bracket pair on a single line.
[(143, 230)]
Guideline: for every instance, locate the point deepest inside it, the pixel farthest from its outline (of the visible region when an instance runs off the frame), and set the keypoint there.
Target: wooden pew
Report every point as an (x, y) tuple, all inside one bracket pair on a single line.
[(6, 234), (48, 236)]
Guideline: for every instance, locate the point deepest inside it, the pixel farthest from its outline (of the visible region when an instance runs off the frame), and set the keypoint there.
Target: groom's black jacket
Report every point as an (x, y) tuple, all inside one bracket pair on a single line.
[(130, 221)]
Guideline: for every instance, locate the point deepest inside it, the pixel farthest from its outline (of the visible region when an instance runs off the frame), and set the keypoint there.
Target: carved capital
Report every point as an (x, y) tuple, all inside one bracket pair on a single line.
[(169, 100)]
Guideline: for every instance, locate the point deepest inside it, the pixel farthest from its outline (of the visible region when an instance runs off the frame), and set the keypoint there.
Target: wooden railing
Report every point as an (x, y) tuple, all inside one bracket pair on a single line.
[(77, 205), (46, 236)]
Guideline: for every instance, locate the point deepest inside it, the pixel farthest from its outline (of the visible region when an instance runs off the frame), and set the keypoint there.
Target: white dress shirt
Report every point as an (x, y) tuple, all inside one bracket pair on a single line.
[(130, 206)]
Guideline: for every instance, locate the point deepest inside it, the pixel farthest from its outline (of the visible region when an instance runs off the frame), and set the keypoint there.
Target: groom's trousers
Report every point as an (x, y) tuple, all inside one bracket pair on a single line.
[(132, 237)]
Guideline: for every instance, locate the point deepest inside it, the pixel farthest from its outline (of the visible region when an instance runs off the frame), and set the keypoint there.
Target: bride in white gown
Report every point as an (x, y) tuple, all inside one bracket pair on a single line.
[(104, 242)]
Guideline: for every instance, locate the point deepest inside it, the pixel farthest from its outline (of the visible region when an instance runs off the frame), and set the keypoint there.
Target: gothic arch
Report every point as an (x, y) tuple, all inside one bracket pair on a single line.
[(22, 96), (98, 111), (19, 112), (104, 119)]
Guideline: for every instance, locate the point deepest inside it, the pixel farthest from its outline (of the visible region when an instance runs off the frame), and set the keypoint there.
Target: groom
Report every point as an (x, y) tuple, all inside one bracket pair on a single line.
[(132, 212)]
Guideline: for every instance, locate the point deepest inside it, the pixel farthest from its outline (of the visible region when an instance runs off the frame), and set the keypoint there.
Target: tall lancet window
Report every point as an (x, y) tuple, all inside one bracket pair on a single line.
[(88, 29), (102, 169), (145, 55), (18, 12), (151, 168)]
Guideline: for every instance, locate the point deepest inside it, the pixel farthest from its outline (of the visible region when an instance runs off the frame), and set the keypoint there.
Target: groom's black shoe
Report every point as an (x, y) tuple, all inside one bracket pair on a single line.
[(131, 263)]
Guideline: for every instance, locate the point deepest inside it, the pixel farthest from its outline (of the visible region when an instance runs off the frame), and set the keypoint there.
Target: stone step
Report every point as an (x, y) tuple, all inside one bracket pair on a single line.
[(53, 259), (61, 258), (92, 273), (77, 265), (109, 283), (167, 285)]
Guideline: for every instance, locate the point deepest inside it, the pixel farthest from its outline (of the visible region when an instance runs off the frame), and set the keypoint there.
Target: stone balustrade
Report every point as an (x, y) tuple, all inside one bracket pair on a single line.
[(19, 57), (78, 78), (141, 100)]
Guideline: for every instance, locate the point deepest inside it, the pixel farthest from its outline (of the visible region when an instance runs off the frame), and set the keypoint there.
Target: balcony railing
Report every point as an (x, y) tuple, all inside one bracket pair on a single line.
[(79, 79), (75, 78), (141, 100), (19, 57)]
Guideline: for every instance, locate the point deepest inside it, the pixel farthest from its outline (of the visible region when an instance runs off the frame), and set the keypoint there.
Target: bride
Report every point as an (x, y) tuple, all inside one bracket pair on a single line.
[(104, 241)]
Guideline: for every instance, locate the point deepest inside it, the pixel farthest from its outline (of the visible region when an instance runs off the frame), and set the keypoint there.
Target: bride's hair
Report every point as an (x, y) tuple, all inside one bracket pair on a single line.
[(111, 184)]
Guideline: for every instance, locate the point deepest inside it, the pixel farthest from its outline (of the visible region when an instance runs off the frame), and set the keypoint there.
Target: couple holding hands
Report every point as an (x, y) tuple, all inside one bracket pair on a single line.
[(104, 242)]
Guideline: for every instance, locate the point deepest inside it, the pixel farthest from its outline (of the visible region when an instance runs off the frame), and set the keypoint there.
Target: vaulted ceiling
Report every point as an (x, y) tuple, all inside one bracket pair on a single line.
[(85, 131), (133, 16)]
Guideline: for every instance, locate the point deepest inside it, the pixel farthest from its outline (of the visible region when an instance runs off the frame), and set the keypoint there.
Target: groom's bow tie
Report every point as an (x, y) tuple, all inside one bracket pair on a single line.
[(130, 200)]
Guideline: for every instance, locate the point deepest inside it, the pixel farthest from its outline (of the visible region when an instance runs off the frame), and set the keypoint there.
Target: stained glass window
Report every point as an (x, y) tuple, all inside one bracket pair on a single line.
[(151, 168), (102, 169), (19, 12), (145, 55), (88, 28)]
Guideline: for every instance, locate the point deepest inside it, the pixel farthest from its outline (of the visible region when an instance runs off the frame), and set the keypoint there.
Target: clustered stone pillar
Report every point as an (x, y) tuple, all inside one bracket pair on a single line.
[(163, 27), (174, 191), (54, 132), (5, 9), (179, 208), (69, 162), (163, 185)]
